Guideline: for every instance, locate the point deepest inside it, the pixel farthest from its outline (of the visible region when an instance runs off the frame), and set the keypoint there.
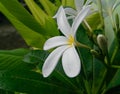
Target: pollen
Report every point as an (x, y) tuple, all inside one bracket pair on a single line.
[(71, 40)]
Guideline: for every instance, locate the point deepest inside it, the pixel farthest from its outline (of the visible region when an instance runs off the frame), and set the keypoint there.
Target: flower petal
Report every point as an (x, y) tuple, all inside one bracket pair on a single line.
[(79, 18), (70, 11), (79, 4), (71, 62), (62, 22), (54, 42), (52, 60)]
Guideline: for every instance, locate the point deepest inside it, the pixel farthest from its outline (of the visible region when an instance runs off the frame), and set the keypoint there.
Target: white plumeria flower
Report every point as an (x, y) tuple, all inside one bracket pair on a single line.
[(79, 5), (65, 46)]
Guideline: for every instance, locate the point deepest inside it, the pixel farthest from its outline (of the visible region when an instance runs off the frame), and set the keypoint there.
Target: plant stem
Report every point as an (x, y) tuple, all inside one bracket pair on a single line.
[(88, 26), (114, 54), (78, 44), (115, 66)]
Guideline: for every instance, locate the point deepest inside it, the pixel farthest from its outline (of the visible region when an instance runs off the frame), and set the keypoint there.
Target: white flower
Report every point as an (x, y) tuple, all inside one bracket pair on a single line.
[(65, 46), (79, 5)]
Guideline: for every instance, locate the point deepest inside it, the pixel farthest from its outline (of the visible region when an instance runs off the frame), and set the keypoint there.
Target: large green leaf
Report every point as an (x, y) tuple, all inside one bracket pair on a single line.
[(11, 59), (29, 82)]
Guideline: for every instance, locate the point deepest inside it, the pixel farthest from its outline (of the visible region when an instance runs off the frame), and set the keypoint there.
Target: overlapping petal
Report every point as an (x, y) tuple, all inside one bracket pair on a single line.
[(71, 62), (62, 22), (79, 4), (52, 60), (80, 17), (55, 42), (70, 11)]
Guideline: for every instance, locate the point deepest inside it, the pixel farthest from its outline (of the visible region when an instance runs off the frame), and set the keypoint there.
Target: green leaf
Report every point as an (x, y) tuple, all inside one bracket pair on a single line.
[(69, 3), (108, 6), (42, 18), (17, 10), (49, 7), (31, 37), (109, 31), (86, 59), (94, 21), (30, 82), (37, 12), (5, 92), (115, 80), (99, 72), (11, 59), (115, 76), (57, 3), (82, 37), (27, 26), (36, 56)]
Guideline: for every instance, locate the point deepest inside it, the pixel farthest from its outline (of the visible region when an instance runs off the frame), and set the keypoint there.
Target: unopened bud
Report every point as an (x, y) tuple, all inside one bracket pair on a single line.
[(102, 43)]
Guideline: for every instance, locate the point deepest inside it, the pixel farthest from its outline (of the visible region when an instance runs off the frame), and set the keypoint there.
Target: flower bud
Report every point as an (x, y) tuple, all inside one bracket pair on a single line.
[(102, 43)]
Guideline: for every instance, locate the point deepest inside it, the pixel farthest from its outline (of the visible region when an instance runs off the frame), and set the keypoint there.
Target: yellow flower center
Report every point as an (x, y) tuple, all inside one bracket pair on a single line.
[(71, 40)]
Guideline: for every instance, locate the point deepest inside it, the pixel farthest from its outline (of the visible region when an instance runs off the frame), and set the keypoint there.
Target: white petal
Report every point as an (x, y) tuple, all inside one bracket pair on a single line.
[(54, 42), (52, 60), (70, 11), (71, 62), (79, 4), (63, 22), (79, 18)]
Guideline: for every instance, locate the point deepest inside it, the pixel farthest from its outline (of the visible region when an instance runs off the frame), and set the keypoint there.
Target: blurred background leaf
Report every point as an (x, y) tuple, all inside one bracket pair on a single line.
[(32, 31), (49, 7), (68, 3)]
